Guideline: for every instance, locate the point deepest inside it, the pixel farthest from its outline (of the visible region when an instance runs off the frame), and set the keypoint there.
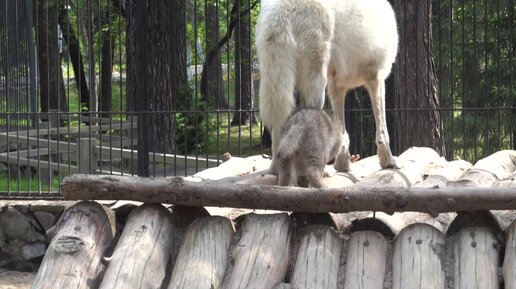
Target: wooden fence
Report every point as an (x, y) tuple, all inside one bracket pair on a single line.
[(103, 146)]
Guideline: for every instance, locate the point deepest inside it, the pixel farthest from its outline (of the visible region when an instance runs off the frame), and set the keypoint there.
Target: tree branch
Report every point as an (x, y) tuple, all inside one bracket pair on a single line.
[(234, 18)]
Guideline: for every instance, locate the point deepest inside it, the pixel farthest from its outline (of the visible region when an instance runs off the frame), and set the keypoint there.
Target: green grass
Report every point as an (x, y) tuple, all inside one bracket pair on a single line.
[(238, 141), (13, 184)]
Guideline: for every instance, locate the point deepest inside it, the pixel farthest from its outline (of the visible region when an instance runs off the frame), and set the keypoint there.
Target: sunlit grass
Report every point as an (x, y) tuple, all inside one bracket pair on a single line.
[(25, 184), (237, 140)]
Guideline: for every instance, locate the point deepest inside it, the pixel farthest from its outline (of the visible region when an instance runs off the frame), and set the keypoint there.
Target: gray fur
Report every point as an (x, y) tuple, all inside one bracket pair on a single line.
[(309, 140)]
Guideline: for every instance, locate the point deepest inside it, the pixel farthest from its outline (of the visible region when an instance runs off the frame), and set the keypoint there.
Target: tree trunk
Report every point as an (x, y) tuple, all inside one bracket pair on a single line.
[(156, 74), (244, 88), (211, 78), (74, 50), (106, 72), (51, 83), (416, 82), (132, 75)]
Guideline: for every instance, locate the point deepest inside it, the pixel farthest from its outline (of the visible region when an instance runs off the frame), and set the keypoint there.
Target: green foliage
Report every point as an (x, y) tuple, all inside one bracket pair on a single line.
[(192, 123)]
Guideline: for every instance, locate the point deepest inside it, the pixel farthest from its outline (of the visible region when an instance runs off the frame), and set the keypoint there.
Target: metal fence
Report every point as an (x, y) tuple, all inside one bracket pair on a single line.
[(90, 86)]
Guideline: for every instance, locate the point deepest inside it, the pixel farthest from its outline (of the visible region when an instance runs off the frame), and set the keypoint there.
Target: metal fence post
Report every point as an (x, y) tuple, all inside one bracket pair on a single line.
[(47, 172), (86, 156)]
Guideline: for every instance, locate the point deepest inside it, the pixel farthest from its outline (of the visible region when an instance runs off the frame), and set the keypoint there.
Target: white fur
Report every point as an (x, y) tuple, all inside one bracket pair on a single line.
[(306, 45)]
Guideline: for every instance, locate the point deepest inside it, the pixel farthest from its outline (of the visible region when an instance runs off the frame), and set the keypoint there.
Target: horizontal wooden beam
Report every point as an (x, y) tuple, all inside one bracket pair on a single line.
[(44, 130), (181, 191), (38, 164), (171, 159)]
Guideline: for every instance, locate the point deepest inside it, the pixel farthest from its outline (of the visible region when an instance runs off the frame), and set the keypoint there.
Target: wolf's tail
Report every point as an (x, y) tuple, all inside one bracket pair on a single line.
[(276, 50)]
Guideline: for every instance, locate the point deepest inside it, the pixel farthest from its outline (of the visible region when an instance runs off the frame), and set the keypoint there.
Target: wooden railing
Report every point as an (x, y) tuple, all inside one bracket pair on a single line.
[(88, 148)]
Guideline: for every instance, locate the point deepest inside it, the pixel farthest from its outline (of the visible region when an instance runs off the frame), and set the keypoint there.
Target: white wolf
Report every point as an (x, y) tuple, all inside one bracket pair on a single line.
[(306, 45)]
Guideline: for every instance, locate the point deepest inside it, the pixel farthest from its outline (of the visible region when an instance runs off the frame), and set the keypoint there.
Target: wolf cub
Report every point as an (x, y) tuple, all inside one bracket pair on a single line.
[(309, 140)]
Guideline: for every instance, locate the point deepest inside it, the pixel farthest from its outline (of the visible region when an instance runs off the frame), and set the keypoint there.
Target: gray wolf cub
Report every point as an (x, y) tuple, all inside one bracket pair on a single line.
[(309, 139)]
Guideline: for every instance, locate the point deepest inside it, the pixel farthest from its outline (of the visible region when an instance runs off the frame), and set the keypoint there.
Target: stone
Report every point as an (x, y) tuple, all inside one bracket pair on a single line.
[(2, 238), (33, 250), (45, 219), (18, 226)]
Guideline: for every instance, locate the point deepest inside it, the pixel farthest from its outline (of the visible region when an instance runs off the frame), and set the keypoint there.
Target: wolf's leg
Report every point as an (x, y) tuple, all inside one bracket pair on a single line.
[(376, 89), (284, 171), (338, 98), (316, 179), (275, 137), (302, 181)]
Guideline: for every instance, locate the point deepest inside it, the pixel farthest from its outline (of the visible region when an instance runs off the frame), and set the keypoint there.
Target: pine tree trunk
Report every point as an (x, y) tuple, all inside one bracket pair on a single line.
[(106, 72), (74, 50), (156, 71), (211, 79), (419, 123), (244, 88), (51, 83)]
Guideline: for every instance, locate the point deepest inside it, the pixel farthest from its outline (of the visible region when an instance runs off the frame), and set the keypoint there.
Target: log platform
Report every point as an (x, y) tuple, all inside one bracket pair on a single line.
[(447, 225)]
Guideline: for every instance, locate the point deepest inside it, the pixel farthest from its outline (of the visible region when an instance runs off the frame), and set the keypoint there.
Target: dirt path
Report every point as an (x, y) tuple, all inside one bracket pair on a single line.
[(16, 280)]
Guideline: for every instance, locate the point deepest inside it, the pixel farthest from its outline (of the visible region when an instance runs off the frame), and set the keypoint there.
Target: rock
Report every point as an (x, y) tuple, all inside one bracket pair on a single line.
[(45, 219), (2, 238), (18, 226), (33, 250)]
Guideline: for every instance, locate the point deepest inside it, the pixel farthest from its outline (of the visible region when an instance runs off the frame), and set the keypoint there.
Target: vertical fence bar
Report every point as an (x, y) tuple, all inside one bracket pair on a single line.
[(141, 90)]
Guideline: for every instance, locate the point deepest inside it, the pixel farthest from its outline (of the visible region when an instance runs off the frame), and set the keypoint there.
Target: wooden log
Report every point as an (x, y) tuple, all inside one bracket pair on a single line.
[(176, 190), (262, 177), (261, 256), (438, 174), (366, 261), (398, 221), (365, 167), (509, 183), (283, 286), (73, 258), (419, 253), (509, 263), (476, 259), (143, 251), (318, 259), (235, 167), (413, 162), (203, 256), (489, 170)]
